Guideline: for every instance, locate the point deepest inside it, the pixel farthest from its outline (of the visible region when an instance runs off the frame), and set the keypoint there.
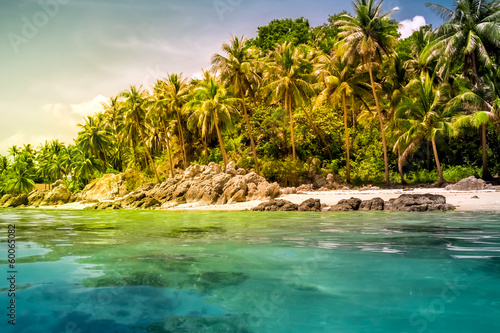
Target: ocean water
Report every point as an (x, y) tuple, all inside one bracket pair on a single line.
[(152, 271)]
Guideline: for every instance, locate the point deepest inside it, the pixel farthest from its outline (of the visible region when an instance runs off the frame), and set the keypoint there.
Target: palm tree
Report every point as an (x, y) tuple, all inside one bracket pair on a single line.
[(19, 179), (95, 138), (369, 35), (113, 118), (176, 92), (290, 77), (14, 151), (134, 113), (482, 107), (236, 71), (212, 105), (471, 32), (340, 81), (423, 117)]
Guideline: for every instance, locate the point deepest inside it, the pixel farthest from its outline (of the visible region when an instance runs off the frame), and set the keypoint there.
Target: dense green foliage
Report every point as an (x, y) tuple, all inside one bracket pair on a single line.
[(369, 106)]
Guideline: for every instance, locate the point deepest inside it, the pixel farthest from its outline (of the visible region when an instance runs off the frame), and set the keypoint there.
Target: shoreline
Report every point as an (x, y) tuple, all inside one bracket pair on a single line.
[(464, 201)]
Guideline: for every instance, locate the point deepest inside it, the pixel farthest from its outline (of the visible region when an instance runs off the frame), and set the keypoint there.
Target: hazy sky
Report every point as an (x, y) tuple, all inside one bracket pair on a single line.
[(61, 58)]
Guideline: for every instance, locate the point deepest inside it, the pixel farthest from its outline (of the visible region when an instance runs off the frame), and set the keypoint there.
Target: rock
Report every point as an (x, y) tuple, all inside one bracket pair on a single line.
[(346, 205), (420, 203), (319, 181), (305, 188), (149, 203), (108, 187), (330, 178), (373, 204), (276, 205), (469, 184), (4, 199), (193, 171), (57, 183), (310, 205), (369, 188), (288, 190), (231, 169), (16, 200), (475, 197), (235, 184), (314, 168), (36, 197), (59, 195)]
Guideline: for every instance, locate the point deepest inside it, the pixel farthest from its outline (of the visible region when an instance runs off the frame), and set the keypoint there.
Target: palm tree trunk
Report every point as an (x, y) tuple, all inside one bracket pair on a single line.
[(346, 131), (181, 135), (400, 168), (222, 147), (382, 128), (438, 165), (486, 172), (249, 130), (318, 132), (168, 148), (289, 107)]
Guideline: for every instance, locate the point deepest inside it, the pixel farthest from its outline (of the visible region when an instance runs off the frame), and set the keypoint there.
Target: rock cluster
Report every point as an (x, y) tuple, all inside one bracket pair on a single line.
[(404, 203), (58, 195), (469, 184), (108, 187), (203, 184)]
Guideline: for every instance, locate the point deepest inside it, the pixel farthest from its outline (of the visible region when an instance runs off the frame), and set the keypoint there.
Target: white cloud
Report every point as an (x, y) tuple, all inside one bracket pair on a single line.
[(407, 27), (63, 120)]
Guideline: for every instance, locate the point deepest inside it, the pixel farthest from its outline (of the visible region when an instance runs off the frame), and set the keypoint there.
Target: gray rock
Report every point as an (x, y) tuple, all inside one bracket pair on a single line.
[(373, 204), (310, 205), (420, 203), (469, 184)]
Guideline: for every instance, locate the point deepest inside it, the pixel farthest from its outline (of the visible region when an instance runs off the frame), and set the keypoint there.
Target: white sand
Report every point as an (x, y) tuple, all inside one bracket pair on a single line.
[(489, 200)]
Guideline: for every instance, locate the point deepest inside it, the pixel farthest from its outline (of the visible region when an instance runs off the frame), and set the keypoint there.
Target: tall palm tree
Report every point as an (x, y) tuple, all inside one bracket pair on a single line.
[(340, 80), (424, 115), (369, 35), (95, 138), (471, 33), (290, 77), (236, 71), (134, 113), (212, 105), (481, 107), (176, 92), (113, 117)]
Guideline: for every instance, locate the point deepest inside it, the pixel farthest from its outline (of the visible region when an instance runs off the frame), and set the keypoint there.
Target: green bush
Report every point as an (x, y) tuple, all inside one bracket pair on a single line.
[(455, 173), (422, 176)]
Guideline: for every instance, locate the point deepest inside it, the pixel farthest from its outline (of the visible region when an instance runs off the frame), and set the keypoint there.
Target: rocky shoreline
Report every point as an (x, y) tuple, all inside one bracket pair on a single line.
[(209, 186)]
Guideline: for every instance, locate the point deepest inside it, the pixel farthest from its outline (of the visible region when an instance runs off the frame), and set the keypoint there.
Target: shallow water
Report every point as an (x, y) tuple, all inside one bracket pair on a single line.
[(150, 271)]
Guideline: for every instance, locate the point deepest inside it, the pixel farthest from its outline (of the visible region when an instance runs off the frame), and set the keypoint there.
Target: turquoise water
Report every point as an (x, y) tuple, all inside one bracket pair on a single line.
[(150, 271)]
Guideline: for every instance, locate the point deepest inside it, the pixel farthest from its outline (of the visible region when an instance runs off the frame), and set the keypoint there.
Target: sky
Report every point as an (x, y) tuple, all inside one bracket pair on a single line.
[(59, 59)]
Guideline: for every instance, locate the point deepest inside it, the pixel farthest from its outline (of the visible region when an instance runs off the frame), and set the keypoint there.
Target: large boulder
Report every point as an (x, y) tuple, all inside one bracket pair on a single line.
[(419, 203), (108, 187), (346, 205), (310, 205), (16, 200), (36, 197), (469, 184), (59, 195), (373, 204), (276, 205)]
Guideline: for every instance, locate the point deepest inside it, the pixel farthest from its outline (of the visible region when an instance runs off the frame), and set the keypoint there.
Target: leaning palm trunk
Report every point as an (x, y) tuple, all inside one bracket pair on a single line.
[(438, 165), (249, 130), (346, 131), (222, 146), (486, 172), (167, 140), (382, 128)]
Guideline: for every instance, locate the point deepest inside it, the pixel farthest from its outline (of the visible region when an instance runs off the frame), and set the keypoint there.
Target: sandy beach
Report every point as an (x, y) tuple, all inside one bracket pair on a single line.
[(489, 200)]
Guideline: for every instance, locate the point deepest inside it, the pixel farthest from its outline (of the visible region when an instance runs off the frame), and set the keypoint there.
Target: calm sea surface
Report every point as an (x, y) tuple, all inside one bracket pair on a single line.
[(151, 271)]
